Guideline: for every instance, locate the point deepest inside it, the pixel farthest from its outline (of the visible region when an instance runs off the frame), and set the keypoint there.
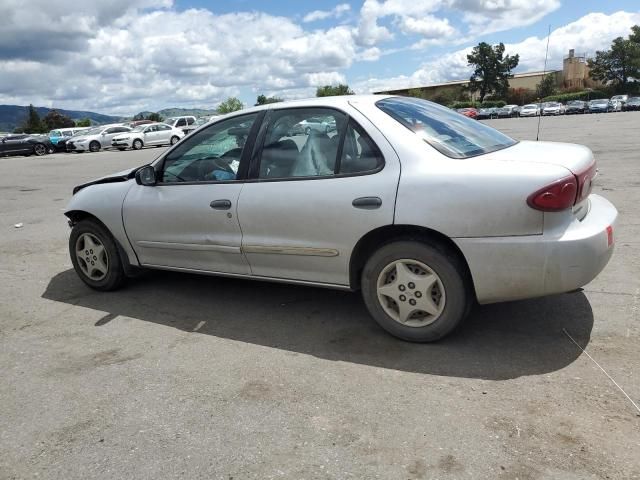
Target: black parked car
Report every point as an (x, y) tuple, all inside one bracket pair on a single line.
[(487, 113), (25, 144), (576, 106), (632, 104)]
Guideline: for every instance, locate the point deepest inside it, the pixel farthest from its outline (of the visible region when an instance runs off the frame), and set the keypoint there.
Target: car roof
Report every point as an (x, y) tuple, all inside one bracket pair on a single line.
[(342, 101)]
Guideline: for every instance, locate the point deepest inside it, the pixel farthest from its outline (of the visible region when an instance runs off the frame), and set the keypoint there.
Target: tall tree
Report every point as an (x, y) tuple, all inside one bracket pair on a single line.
[(332, 91), (32, 124), (263, 100), (84, 122), (55, 119), (547, 86), (492, 69), (620, 64), (154, 117), (231, 104)]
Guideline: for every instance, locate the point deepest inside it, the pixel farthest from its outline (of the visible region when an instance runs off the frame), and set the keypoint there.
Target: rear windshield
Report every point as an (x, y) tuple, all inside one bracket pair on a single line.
[(450, 133)]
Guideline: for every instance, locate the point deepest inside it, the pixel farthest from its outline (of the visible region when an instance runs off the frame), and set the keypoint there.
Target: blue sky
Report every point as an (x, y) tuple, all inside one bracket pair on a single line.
[(124, 56)]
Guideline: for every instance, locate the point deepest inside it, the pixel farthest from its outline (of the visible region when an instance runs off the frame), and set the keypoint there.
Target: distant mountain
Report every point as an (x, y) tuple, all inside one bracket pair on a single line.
[(180, 112), (13, 115)]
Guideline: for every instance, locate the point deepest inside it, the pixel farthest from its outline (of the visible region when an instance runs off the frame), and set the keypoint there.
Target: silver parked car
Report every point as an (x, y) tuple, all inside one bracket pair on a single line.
[(95, 139), (422, 209), (147, 135)]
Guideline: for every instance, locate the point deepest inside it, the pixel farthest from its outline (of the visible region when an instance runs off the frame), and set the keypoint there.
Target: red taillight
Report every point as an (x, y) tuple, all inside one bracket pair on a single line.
[(609, 236), (564, 193), (556, 196), (585, 181)]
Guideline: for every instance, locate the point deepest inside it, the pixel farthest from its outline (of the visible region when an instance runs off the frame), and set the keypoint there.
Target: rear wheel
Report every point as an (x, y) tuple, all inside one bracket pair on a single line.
[(415, 291), (174, 140), (39, 149), (95, 256), (94, 146), (137, 144)]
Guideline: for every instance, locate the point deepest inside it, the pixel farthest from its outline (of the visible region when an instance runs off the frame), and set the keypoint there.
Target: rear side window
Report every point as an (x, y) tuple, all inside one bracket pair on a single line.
[(359, 153), (449, 132)]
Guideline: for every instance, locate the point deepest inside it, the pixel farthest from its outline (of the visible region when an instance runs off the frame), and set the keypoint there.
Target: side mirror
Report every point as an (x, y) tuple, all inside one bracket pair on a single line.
[(146, 176)]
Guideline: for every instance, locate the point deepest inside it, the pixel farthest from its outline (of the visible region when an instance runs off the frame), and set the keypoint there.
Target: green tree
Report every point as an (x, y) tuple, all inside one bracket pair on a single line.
[(32, 124), (231, 104), (264, 100), (55, 119), (85, 122), (138, 116), (154, 117), (547, 86), (620, 64), (333, 91), (492, 69)]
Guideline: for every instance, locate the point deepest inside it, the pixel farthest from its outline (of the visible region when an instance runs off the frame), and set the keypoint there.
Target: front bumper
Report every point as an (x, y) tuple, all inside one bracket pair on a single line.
[(558, 261), (75, 147), (121, 143)]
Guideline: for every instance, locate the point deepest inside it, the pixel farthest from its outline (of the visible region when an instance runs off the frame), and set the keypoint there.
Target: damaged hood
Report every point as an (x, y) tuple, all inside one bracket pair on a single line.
[(122, 176)]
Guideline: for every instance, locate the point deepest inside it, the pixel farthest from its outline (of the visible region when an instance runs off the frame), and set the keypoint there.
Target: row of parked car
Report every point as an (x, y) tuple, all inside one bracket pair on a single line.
[(133, 135), (616, 103)]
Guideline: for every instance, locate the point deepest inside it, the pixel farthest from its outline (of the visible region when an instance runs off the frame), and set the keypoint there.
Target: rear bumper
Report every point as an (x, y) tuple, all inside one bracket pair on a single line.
[(558, 261)]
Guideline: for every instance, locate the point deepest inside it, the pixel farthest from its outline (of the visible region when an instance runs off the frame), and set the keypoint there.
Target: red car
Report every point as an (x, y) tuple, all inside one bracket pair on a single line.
[(468, 112)]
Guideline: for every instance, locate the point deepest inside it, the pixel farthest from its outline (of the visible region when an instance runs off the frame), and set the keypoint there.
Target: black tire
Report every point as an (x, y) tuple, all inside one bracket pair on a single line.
[(122, 149), (174, 140), (137, 144), (444, 263), (39, 149), (94, 146), (115, 276)]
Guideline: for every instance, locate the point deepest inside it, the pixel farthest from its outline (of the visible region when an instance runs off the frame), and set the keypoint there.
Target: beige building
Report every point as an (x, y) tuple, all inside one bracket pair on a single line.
[(574, 75)]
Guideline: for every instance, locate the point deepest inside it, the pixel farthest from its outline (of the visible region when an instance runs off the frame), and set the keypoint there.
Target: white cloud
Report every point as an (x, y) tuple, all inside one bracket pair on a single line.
[(159, 58), (499, 15), (336, 12), (592, 32)]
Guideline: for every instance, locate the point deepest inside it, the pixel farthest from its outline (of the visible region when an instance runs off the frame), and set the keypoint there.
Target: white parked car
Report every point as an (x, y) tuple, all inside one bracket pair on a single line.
[(147, 135), (554, 108), (422, 209), (531, 110), (616, 105), (95, 139)]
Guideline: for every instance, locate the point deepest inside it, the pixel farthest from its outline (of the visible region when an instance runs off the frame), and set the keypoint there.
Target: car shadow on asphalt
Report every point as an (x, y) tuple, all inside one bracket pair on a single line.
[(496, 342)]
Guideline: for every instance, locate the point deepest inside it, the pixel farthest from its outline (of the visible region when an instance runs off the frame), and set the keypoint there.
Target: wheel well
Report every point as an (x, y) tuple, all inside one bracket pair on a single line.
[(76, 216), (381, 236)]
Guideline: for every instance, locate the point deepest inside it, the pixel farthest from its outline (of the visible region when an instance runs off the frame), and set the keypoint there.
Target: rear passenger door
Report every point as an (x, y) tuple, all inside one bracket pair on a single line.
[(312, 195)]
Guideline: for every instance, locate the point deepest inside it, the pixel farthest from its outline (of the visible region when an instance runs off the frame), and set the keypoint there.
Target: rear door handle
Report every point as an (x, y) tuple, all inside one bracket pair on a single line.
[(220, 204), (367, 203)]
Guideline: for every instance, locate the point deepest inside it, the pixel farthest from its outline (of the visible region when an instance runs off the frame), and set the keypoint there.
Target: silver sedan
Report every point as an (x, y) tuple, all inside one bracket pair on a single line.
[(423, 210)]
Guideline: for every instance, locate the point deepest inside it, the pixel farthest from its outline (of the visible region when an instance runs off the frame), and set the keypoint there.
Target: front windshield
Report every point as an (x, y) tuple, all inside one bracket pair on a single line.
[(55, 133), (139, 128), (453, 135), (529, 107)]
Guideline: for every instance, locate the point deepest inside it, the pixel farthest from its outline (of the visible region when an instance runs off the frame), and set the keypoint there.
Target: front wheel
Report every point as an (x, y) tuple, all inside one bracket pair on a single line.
[(415, 291), (95, 256), (137, 144), (94, 146), (174, 140), (39, 149)]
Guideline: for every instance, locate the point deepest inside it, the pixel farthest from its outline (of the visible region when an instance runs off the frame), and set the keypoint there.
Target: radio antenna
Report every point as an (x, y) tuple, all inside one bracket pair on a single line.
[(544, 75)]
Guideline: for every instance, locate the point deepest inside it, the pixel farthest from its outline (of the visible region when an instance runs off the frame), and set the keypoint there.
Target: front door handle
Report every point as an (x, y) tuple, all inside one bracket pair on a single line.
[(220, 204), (367, 203)]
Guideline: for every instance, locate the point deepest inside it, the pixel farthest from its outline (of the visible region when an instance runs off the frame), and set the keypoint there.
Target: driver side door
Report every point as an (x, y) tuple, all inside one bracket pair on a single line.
[(188, 220)]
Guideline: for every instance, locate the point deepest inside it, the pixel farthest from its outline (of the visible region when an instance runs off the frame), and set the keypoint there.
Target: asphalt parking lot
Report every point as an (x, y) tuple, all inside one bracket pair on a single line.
[(180, 376)]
